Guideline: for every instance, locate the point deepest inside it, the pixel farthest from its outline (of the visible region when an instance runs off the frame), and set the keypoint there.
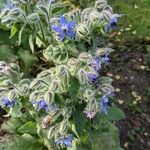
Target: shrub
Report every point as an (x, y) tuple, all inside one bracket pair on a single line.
[(70, 105)]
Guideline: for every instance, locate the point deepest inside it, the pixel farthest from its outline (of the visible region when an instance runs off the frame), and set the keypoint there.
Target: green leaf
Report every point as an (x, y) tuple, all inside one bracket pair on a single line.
[(73, 85), (6, 52), (31, 43), (29, 127), (15, 111), (14, 30), (12, 125), (79, 121), (2, 2), (27, 59), (24, 142), (20, 34), (56, 54), (115, 114), (99, 139)]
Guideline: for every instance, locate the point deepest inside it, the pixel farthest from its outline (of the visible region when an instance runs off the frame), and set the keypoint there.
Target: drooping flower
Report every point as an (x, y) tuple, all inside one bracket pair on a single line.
[(106, 59), (92, 77), (8, 103), (41, 105), (65, 29), (105, 102), (65, 140), (96, 64), (112, 23)]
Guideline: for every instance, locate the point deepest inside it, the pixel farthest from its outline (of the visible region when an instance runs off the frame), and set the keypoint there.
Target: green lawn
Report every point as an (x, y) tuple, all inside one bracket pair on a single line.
[(136, 22)]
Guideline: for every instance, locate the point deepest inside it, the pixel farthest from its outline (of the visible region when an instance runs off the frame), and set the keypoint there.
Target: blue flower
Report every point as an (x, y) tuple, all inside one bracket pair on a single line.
[(112, 25), (64, 29), (41, 105), (66, 140), (106, 58), (8, 103), (10, 5), (96, 64), (105, 102), (92, 77)]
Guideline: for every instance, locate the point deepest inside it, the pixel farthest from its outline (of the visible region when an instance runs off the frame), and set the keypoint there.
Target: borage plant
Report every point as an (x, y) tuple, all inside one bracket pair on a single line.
[(70, 105)]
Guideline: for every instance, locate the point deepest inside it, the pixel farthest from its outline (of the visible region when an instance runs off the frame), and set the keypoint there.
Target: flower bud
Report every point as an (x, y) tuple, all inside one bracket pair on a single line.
[(82, 31), (63, 127), (72, 65), (11, 94), (99, 5), (85, 57), (49, 97), (54, 86), (44, 74), (34, 95), (33, 18), (15, 12), (25, 90), (94, 16), (82, 76), (89, 94)]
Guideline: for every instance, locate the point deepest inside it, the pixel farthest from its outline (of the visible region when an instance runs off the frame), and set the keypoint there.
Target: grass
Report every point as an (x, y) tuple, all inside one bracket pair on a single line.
[(136, 22)]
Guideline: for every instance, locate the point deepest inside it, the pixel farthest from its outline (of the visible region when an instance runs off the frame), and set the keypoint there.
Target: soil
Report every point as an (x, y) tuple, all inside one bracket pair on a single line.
[(131, 74)]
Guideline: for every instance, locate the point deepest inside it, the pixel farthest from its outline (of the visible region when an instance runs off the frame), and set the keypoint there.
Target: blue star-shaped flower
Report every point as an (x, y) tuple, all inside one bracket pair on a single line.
[(65, 29), (66, 140), (41, 105), (112, 25), (8, 103)]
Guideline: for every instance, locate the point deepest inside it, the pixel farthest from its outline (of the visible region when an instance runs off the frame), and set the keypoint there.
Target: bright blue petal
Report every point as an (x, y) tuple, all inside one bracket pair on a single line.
[(57, 28), (92, 77), (104, 107), (114, 20), (5, 102), (46, 107), (67, 142), (63, 21), (42, 104), (62, 36), (71, 24), (70, 33)]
